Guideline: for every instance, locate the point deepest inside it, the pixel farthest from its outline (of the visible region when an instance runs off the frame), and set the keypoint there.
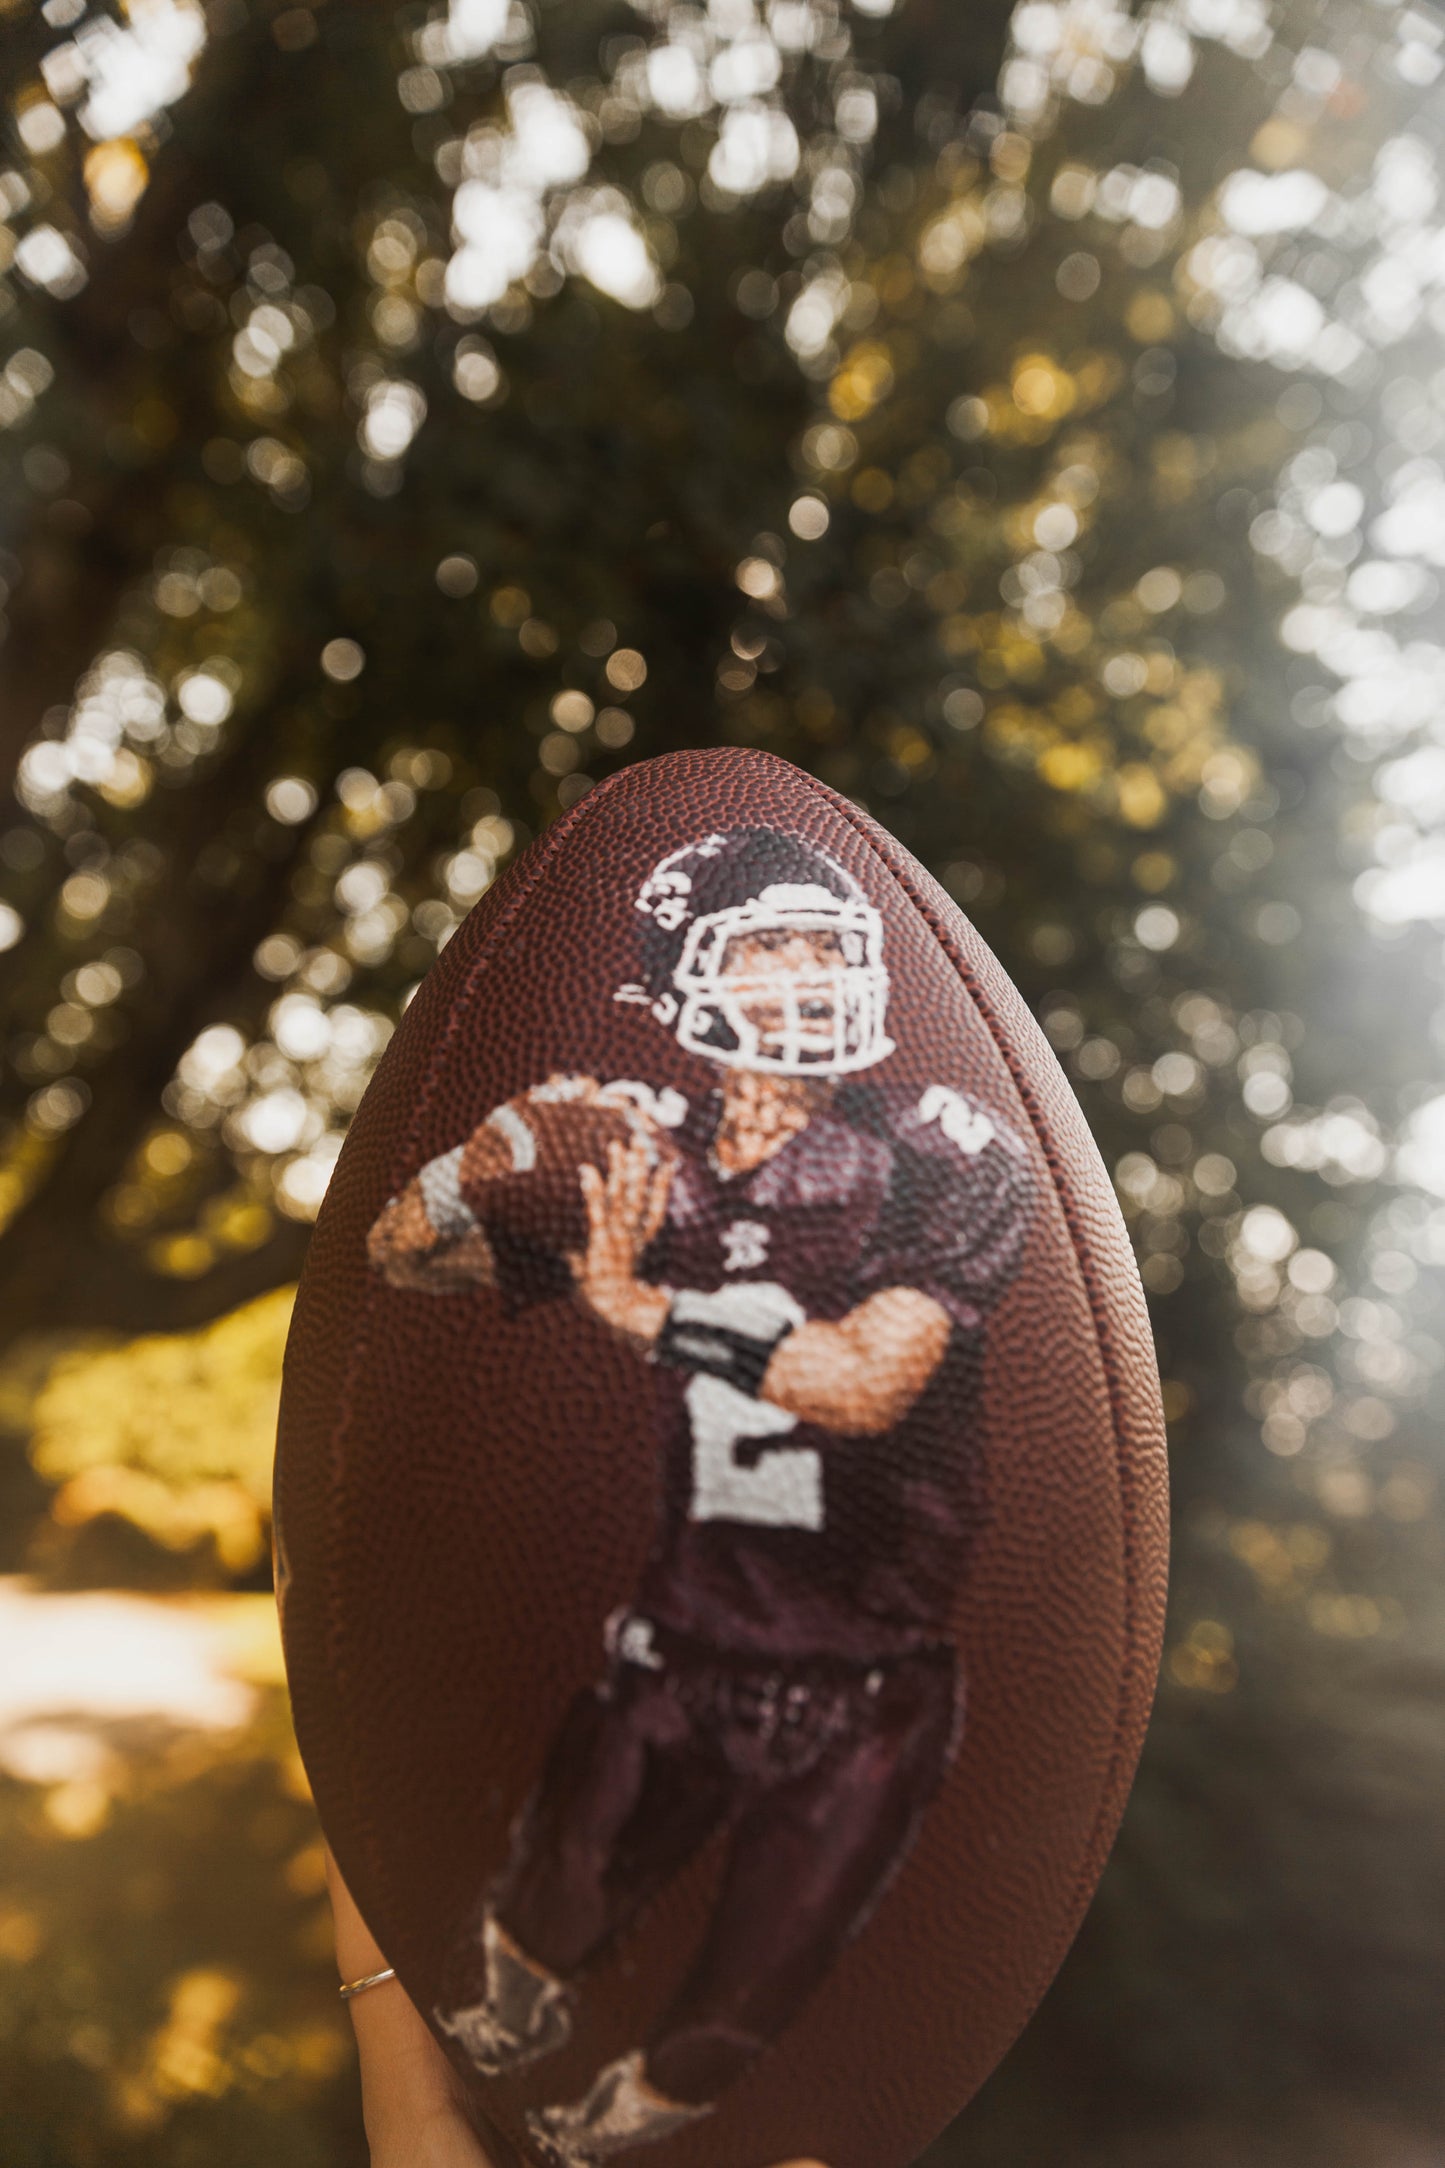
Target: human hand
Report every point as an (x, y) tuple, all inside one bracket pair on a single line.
[(411, 2098), (624, 1211)]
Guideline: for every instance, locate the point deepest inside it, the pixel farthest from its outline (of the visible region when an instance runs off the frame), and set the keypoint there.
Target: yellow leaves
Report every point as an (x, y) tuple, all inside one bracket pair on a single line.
[(318, 2051), (1150, 318), (1205, 1660), (184, 2057), (1354, 1618), (1073, 634), (909, 747), (200, 2050), (1153, 871), (1021, 655), (21, 1935), (511, 606), (176, 1519), (306, 1871), (23, 1162), (924, 473), (1178, 467), (168, 1152), (1286, 1560), (1227, 777), (1141, 795), (1007, 651), (181, 1256), (892, 280), (958, 635), (238, 1221), (872, 490), (1041, 393), (154, 424), (79, 1808), (174, 1432), (129, 781), (246, 1634), (817, 712), (1201, 695), (1022, 734), (1040, 388), (1080, 747), (1075, 706), (1279, 143), (1071, 766), (82, 899), (947, 243), (946, 592), (116, 174), (1280, 1558), (1098, 378), (865, 377), (1178, 1399), (1159, 589), (1011, 155)]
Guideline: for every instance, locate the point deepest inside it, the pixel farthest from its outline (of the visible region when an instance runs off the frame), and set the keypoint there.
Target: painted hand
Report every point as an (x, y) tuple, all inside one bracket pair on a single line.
[(624, 1211)]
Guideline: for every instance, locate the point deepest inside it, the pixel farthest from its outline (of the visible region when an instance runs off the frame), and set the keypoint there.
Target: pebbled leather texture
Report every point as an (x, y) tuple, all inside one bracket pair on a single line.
[(466, 1491)]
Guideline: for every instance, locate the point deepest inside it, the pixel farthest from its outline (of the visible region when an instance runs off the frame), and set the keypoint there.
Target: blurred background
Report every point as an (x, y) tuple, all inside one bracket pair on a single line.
[(1030, 422)]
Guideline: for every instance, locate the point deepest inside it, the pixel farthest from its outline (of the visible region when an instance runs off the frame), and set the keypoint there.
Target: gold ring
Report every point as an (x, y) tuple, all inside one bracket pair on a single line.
[(372, 1979)]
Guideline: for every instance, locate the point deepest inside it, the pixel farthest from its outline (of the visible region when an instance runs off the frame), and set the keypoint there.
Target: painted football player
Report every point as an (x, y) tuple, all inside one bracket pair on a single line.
[(805, 1277)]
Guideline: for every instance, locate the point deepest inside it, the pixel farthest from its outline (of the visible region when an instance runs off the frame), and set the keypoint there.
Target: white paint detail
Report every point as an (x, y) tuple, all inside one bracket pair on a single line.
[(633, 1642), (509, 1124), (667, 1108), (441, 1193), (559, 1090), (760, 1308), (784, 1487), (745, 1245), (967, 1127)]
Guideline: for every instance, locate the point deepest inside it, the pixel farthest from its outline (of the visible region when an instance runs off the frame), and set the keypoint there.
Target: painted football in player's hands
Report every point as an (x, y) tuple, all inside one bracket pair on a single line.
[(508, 1199), (720, 1504)]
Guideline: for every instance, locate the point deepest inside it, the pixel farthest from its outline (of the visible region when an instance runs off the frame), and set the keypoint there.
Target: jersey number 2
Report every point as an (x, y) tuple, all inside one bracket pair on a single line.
[(783, 1488)]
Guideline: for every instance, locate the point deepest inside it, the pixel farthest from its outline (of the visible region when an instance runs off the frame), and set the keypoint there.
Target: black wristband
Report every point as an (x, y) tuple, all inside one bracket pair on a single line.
[(694, 1343)]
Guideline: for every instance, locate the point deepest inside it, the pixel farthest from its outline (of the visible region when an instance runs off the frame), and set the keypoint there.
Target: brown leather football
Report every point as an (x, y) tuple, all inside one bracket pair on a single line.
[(721, 1514)]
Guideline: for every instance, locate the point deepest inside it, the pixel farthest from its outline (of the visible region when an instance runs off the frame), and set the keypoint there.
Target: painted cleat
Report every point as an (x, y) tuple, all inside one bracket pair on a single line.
[(524, 2013), (621, 2110)]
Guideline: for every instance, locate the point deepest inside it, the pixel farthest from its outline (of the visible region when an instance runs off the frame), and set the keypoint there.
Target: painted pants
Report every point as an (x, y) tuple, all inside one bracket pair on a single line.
[(820, 1771)]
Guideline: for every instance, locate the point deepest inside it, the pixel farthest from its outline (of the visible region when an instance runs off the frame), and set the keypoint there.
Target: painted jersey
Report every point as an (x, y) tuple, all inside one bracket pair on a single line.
[(776, 1535)]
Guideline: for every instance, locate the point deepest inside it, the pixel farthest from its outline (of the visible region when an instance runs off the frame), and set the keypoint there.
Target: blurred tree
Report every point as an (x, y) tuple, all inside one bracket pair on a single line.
[(588, 490), (517, 391)]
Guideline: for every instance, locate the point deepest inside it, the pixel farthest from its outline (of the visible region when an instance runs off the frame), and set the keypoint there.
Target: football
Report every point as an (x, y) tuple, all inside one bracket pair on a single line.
[(514, 1182), (720, 1496)]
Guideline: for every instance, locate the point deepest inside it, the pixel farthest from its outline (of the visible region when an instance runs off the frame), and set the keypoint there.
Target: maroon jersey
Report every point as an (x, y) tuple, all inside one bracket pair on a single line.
[(777, 1536)]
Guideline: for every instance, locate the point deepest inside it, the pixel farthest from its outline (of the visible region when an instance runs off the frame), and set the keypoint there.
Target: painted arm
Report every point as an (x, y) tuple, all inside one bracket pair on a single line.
[(860, 1376), (857, 1377)]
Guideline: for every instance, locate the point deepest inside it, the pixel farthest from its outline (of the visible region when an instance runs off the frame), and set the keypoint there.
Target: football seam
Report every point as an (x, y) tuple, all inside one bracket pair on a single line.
[(561, 830), (1087, 1877)]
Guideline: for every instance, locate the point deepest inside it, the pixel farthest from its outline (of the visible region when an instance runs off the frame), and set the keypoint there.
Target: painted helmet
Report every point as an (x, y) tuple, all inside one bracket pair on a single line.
[(762, 953)]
